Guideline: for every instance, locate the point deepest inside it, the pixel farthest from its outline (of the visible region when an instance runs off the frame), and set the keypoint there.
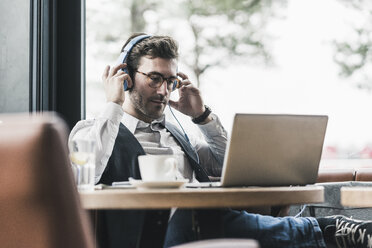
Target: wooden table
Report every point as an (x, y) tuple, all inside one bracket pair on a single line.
[(200, 198), (161, 200), (356, 196)]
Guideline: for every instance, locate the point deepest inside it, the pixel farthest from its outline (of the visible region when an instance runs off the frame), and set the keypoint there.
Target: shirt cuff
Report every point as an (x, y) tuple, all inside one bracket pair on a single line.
[(212, 128), (113, 112)]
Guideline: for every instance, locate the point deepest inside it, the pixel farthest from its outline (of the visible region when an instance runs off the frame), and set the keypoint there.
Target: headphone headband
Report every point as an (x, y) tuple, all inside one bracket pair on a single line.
[(124, 54), (134, 41)]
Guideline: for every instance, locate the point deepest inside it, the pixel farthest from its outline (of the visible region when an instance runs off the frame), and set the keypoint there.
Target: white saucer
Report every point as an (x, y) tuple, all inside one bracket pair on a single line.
[(158, 184)]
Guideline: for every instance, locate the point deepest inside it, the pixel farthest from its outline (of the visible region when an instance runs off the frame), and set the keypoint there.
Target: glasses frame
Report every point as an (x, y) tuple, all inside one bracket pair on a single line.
[(175, 82)]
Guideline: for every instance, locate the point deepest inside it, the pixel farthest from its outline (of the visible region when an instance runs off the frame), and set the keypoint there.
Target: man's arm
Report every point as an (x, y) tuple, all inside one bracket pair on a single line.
[(103, 130), (212, 153), (190, 103)]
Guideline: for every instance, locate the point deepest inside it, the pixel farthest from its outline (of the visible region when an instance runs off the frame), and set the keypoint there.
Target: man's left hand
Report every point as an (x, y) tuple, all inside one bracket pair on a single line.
[(190, 102)]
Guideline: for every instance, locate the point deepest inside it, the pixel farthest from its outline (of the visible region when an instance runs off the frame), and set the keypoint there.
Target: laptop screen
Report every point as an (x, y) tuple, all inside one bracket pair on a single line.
[(274, 150)]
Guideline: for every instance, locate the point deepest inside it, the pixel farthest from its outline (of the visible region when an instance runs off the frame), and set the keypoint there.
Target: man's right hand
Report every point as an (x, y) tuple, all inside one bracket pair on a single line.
[(113, 83)]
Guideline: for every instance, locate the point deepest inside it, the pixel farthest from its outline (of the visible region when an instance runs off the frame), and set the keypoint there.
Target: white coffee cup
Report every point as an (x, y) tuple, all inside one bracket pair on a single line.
[(158, 167)]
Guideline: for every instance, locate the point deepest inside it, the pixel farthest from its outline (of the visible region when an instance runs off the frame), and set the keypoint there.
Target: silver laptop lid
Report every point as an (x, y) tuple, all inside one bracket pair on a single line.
[(274, 150)]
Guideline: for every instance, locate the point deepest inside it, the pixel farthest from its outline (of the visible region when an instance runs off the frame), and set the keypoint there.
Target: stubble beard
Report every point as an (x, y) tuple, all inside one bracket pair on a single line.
[(140, 106)]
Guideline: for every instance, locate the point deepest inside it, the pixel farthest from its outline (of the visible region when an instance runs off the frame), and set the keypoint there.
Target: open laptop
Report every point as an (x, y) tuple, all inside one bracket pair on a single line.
[(273, 150)]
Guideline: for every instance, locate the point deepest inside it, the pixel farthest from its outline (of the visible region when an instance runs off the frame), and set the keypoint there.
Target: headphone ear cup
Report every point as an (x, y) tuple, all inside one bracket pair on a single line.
[(126, 50), (177, 85), (125, 83)]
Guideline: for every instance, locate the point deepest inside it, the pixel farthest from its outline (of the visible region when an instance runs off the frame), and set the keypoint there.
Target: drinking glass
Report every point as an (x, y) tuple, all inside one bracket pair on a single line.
[(82, 158)]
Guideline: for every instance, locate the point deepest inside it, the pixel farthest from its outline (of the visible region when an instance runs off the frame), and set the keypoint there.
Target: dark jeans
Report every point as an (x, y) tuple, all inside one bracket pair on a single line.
[(269, 231)]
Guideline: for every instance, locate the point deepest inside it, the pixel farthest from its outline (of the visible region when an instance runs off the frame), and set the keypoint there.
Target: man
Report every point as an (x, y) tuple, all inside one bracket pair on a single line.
[(133, 123)]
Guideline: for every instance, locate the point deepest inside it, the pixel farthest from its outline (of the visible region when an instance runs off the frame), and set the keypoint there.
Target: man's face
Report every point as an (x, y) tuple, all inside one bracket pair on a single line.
[(149, 103)]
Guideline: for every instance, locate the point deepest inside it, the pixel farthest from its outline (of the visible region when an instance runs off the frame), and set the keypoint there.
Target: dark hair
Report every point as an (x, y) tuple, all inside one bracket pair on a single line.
[(154, 47)]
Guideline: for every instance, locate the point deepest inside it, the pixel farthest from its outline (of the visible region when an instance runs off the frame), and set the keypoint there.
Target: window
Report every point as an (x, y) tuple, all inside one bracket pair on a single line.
[(295, 57), (14, 54), (57, 62)]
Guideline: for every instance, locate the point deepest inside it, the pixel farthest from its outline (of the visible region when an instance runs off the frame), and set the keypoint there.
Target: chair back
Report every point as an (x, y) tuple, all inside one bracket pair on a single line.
[(39, 203)]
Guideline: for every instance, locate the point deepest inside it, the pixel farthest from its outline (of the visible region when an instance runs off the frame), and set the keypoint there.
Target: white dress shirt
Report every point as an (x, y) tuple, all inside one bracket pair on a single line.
[(154, 138)]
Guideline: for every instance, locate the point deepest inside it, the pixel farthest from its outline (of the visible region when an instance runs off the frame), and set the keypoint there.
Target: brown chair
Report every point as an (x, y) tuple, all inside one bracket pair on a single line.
[(364, 175), (336, 175), (221, 243), (39, 204)]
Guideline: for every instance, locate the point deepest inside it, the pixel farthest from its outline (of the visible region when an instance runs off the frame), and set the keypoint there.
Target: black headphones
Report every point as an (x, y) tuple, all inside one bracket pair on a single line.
[(124, 55)]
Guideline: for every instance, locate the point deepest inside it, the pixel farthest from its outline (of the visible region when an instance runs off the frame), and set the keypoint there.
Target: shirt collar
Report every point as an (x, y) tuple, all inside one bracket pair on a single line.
[(132, 123)]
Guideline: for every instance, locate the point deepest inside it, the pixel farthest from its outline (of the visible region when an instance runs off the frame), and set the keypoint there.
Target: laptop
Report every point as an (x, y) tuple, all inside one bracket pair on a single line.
[(273, 150)]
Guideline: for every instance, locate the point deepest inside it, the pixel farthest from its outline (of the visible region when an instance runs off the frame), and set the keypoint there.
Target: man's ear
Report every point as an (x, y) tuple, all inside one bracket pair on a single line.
[(131, 86), (130, 82)]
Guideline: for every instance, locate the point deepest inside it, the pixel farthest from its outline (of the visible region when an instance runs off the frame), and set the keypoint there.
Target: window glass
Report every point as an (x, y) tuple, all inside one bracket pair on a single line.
[(294, 57), (14, 56)]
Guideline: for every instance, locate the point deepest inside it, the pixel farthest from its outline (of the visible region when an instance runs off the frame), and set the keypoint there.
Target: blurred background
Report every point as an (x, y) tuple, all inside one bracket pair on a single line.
[(255, 56)]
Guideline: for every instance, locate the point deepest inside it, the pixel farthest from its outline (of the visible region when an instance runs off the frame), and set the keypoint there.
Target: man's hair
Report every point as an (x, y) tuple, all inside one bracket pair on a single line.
[(154, 47)]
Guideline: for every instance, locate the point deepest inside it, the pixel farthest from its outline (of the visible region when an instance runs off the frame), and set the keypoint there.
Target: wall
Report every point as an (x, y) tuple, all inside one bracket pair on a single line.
[(14, 55)]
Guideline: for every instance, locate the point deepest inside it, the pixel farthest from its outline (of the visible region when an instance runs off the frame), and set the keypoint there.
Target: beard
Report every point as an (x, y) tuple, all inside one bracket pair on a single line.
[(145, 107)]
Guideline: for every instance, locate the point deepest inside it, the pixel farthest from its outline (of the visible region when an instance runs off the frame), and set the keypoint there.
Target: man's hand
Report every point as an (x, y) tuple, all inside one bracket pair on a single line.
[(190, 102), (113, 83)]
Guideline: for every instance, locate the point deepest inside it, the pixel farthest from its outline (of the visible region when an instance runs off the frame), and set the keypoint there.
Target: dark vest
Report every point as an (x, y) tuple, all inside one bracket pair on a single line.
[(122, 228)]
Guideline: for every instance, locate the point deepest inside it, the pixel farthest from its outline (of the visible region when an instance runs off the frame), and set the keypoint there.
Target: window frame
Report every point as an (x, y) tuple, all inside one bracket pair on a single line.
[(57, 58)]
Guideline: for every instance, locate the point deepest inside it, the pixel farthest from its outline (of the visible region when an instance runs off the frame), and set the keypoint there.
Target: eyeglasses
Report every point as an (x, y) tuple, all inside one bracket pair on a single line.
[(155, 80)]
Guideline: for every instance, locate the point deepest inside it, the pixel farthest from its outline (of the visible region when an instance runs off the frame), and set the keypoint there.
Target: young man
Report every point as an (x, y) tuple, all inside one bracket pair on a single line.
[(133, 123)]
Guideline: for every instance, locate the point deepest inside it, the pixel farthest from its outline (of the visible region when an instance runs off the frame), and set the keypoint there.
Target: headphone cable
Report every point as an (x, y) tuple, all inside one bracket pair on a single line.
[(184, 133)]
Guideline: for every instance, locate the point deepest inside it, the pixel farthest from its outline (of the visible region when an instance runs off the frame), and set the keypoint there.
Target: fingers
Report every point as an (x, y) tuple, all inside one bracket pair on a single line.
[(182, 75), (185, 80), (116, 68), (116, 76), (119, 74), (105, 72), (173, 104), (123, 76), (186, 85), (116, 72)]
